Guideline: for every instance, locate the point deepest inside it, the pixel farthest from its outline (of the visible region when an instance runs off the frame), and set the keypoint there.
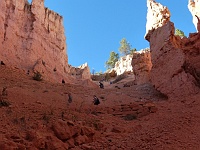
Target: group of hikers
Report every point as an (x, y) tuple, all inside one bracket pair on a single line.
[(96, 100)]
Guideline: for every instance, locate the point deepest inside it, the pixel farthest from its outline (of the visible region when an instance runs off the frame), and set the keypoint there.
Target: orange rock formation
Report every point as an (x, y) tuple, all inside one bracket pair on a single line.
[(141, 63), (32, 38), (81, 72), (175, 71)]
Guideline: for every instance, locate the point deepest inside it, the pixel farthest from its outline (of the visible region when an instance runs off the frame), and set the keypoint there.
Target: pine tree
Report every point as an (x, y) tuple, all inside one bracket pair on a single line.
[(112, 60), (179, 33), (125, 47), (132, 51)]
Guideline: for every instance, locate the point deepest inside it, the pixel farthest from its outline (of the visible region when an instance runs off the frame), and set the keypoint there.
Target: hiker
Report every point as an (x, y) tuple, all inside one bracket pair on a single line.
[(101, 85), (4, 97), (96, 100), (4, 91), (28, 72), (2, 63), (4, 94), (69, 98), (63, 81)]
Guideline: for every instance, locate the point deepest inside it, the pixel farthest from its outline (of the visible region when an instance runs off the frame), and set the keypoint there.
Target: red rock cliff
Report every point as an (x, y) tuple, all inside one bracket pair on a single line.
[(175, 61), (32, 38), (176, 65)]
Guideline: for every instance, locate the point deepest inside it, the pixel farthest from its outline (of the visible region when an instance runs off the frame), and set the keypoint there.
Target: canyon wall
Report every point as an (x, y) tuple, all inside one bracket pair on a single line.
[(32, 38), (176, 66), (175, 61)]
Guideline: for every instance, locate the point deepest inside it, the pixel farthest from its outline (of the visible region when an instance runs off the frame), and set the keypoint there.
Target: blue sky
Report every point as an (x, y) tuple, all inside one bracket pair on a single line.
[(94, 28)]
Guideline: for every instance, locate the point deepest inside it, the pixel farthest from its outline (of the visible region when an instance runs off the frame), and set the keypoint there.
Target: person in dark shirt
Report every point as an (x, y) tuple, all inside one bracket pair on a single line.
[(101, 85), (96, 100), (69, 98)]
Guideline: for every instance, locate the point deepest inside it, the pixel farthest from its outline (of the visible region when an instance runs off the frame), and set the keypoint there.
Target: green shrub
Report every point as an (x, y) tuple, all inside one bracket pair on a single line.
[(4, 103), (37, 76), (114, 57), (179, 33), (130, 117)]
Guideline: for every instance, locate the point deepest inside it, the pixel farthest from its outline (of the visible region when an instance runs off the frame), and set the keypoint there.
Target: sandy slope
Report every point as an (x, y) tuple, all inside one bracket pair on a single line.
[(135, 117)]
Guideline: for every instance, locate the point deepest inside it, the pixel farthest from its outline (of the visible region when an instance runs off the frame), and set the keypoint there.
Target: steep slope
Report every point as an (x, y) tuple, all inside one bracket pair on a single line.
[(136, 117)]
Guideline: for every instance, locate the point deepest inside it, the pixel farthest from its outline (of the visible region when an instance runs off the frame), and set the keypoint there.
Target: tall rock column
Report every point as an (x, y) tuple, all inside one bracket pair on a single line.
[(157, 16), (175, 71), (175, 62)]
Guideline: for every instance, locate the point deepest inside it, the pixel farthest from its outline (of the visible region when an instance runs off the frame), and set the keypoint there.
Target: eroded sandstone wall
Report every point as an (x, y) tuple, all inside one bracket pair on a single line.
[(176, 66), (32, 38), (81, 72), (142, 65)]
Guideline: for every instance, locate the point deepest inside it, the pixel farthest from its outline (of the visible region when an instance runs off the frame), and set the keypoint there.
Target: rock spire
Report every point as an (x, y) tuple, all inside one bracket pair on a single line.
[(157, 16)]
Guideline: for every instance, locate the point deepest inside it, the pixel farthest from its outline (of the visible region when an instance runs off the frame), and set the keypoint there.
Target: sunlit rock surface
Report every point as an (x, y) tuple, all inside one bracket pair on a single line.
[(157, 16), (32, 36), (124, 65)]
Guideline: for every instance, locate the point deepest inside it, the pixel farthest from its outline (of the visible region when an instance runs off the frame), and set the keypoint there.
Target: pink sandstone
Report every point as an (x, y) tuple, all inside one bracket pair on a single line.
[(175, 61), (32, 38), (175, 71)]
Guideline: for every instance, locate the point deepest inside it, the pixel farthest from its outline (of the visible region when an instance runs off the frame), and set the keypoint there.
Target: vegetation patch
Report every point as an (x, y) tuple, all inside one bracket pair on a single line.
[(4, 103), (130, 117), (37, 76)]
